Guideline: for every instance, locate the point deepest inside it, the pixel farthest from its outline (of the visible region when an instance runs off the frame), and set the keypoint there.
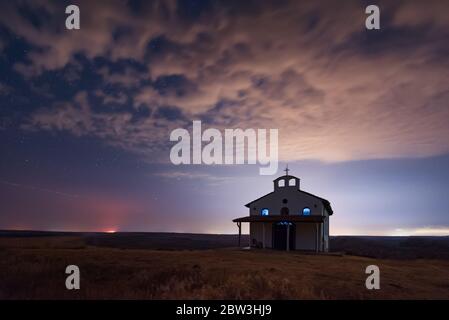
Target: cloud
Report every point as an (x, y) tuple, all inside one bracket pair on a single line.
[(5, 89), (127, 78), (118, 97), (182, 175), (413, 13), (118, 129), (424, 231), (335, 91)]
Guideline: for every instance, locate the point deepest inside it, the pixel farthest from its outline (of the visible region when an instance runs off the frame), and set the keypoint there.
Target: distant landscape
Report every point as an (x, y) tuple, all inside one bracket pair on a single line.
[(200, 266)]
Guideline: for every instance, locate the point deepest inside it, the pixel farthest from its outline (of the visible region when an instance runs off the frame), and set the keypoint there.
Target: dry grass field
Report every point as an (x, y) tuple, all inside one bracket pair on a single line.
[(33, 268)]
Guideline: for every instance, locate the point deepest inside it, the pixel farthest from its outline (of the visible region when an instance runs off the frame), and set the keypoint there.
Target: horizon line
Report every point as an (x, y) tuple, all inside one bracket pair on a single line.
[(203, 233)]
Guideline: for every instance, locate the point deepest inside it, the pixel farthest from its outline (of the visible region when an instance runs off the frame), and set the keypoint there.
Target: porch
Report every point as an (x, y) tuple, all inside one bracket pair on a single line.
[(289, 222)]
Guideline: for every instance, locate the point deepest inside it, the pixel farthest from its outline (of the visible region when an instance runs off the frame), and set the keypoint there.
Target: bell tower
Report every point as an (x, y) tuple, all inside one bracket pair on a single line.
[(286, 181)]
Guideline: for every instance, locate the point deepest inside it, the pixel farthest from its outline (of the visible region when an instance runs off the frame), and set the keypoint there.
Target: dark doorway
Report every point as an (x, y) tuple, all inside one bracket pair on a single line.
[(280, 235), (285, 211)]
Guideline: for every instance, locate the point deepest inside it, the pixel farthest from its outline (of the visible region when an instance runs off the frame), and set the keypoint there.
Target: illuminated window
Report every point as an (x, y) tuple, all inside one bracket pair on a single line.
[(292, 182), (264, 212), (281, 183), (306, 211), (284, 223)]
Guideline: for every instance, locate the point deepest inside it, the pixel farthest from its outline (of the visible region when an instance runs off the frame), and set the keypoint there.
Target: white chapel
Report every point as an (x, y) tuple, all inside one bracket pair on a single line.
[(288, 218)]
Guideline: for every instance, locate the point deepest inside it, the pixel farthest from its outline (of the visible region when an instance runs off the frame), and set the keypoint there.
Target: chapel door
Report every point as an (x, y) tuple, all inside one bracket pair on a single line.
[(280, 235)]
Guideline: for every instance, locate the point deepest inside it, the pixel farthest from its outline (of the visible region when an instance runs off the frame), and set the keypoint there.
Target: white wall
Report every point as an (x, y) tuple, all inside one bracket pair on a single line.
[(256, 229), (305, 235)]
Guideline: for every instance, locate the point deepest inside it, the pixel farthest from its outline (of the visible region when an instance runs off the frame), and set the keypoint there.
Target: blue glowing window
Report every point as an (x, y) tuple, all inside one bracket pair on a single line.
[(284, 223), (264, 212), (306, 212)]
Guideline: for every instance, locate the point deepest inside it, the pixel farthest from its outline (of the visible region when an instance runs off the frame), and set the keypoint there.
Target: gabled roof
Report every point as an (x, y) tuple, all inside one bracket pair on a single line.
[(249, 203), (326, 203)]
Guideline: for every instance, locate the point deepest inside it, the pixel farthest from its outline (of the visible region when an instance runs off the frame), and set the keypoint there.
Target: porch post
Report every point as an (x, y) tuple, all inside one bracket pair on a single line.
[(239, 224), (263, 235), (288, 236), (249, 242)]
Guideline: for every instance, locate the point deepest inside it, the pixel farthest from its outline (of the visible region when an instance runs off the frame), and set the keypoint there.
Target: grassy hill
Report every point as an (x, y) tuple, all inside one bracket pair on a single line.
[(171, 266)]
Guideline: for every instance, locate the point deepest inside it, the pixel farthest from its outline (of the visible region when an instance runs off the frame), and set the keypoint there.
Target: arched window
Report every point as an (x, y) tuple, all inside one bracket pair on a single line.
[(281, 183), (264, 212), (306, 211), (292, 182)]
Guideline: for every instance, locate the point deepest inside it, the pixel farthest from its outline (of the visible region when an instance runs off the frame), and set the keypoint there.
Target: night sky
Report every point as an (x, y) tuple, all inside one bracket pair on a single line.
[(86, 115)]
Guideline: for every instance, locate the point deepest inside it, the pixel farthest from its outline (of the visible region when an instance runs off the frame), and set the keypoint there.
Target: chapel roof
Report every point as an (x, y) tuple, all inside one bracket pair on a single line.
[(326, 203)]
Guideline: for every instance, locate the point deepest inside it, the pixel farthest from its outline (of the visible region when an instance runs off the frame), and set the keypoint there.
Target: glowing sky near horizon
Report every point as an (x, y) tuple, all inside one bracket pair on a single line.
[(85, 115)]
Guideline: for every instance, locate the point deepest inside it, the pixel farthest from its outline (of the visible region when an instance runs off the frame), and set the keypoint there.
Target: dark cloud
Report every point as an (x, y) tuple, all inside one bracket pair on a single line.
[(308, 68), (169, 113)]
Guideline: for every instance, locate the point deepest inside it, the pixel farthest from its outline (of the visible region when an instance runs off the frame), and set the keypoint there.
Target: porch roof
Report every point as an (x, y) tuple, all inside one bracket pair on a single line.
[(310, 219)]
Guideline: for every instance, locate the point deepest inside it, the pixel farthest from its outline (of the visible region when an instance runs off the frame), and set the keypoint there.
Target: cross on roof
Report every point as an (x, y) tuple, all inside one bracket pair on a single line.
[(286, 170)]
